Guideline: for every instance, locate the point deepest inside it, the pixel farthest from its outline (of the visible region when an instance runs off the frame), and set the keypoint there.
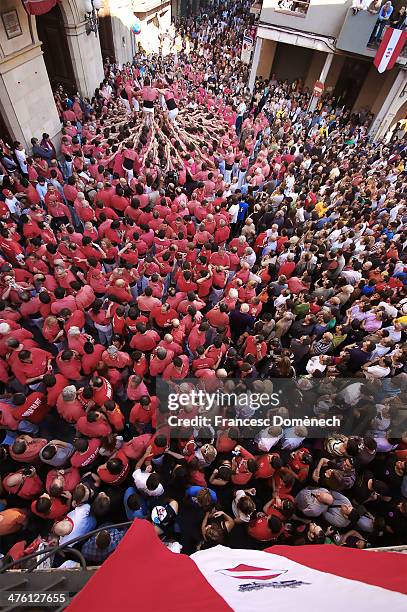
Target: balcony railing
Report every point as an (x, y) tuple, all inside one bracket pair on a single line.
[(299, 8), (356, 33)]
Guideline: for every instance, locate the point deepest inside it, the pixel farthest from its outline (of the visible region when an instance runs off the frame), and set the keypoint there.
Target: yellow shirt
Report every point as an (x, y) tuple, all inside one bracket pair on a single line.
[(320, 208)]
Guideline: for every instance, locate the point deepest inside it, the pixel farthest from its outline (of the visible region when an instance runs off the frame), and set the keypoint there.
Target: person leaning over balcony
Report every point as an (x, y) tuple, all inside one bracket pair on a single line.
[(382, 20), (360, 5), (399, 20)]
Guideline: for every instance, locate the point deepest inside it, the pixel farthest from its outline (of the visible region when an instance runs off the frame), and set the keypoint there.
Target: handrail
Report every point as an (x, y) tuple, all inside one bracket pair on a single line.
[(46, 553)]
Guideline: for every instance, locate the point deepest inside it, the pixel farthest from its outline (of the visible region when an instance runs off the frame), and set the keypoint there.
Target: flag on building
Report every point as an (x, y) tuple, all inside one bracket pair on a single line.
[(247, 47), (38, 7), (390, 49), (143, 574)]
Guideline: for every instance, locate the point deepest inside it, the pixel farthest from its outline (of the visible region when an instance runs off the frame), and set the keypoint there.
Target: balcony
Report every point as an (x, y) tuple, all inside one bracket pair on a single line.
[(355, 34), (318, 17)]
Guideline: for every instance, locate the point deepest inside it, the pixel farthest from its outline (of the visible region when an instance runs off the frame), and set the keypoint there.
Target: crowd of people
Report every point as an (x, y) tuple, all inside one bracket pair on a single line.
[(191, 230)]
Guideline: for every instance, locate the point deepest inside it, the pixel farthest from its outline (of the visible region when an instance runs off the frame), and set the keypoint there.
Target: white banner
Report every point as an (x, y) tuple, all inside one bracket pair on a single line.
[(247, 48)]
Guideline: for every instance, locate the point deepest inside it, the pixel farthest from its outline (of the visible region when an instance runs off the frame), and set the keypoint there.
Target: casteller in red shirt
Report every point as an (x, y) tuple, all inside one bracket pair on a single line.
[(267, 465), (94, 425), (87, 451), (115, 470), (33, 408)]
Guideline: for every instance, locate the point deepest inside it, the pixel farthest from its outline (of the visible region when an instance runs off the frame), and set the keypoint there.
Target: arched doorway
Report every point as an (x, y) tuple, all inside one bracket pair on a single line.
[(51, 32), (401, 114), (350, 81), (106, 35)]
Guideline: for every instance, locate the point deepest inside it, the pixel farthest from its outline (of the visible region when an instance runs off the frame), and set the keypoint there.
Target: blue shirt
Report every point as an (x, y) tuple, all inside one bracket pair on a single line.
[(141, 513), (242, 212), (192, 492), (385, 12)]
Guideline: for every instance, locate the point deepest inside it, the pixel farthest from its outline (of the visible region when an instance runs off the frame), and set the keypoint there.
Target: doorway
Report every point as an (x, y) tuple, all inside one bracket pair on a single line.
[(106, 38), (57, 57), (4, 131), (291, 62), (350, 81)]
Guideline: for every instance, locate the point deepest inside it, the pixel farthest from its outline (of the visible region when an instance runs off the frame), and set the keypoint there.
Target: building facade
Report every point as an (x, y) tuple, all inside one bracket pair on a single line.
[(38, 53), (325, 41)]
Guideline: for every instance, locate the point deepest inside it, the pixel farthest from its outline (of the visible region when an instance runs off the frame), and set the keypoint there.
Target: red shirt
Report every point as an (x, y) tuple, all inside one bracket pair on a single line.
[(89, 362), (145, 342), (70, 411), (71, 369), (115, 479), (116, 418), (31, 487), (295, 462), (34, 409), (98, 429), (241, 474), (100, 396), (80, 460), (121, 360), (141, 367), (144, 414), (163, 318), (171, 372), (157, 366), (72, 476), (57, 511), (136, 447), (264, 467), (217, 318), (37, 367), (31, 454), (54, 392), (259, 529)]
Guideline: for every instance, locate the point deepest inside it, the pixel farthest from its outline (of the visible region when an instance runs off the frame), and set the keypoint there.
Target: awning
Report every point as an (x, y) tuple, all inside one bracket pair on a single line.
[(142, 574), (38, 7)]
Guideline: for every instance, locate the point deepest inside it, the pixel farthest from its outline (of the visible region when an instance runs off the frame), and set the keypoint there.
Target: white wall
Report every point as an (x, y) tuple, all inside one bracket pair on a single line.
[(86, 58), (13, 45), (30, 95), (122, 15), (26, 100), (149, 36), (323, 17)]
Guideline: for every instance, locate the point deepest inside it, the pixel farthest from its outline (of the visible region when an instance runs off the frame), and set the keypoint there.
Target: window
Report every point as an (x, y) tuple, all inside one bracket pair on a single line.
[(293, 7)]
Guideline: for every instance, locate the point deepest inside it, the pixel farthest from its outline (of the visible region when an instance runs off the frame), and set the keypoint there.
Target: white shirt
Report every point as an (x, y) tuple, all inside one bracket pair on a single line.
[(351, 276), (377, 371), (12, 205), (379, 351), (351, 394), (241, 109), (315, 364), (140, 478), (290, 441), (233, 210), (389, 308), (394, 335), (21, 158), (265, 442), (83, 521), (238, 514)]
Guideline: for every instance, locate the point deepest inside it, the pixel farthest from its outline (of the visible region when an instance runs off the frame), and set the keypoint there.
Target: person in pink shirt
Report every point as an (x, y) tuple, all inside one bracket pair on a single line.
[(149, 95)]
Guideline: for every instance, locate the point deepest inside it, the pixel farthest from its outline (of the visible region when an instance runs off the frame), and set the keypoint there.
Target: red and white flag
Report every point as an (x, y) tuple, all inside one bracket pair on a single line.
[(39, 7), (390, 49), (142, 574)]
